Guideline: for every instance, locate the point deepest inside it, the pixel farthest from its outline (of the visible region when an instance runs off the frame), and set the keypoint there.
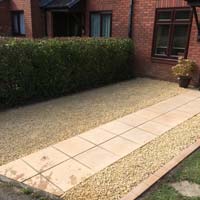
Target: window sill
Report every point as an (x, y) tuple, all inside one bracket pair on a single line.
[(18, 35), (164, 60)]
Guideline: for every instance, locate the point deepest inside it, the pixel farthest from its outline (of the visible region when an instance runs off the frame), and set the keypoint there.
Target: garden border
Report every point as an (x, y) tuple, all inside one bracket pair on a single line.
[(145, 185)]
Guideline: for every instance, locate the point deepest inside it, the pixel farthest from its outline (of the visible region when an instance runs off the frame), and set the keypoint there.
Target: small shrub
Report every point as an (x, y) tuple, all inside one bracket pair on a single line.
[(27, 191), (185, 67), (37, 69)]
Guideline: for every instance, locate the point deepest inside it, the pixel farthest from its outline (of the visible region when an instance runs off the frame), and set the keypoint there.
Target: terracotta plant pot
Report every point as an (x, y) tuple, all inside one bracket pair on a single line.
[(184, 81)]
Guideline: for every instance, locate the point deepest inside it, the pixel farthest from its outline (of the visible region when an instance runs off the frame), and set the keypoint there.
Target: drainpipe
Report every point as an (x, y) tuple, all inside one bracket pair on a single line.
[(45, 22), (197, 21), (130, 23)]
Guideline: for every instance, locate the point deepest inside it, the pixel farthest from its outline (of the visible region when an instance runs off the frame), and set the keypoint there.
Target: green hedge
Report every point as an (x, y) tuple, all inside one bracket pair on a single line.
[(37, 69)]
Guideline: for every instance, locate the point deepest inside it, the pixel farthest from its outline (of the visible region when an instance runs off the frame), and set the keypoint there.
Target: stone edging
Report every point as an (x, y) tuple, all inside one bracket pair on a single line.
[(137, 191)]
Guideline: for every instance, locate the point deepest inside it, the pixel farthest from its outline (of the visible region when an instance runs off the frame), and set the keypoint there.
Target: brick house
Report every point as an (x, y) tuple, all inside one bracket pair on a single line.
[(161, 30)]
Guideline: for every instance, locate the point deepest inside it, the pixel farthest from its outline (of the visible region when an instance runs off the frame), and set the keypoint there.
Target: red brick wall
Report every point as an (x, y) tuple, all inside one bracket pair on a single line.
[(120, 14), (143, 27), (17, 5), (38, 20), (170, 3), (34, 19), (4, 18)]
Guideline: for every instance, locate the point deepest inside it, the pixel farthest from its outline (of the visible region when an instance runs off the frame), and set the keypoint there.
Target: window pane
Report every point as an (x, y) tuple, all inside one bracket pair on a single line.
[(164, 16), (95, 25), (106, 25), (22, 26), (162, 40), (15, 23), (180, 40), (183, 15)]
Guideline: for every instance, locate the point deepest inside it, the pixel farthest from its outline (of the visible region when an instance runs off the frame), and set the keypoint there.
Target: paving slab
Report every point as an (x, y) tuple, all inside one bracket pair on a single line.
[(134, 120), (116, 127), (187, 189), (120, 146), (97, 136), (192, 107), (73, 146), (40, 182), (17, 170), (171, 104), (139, 136), (67, 174), (146, 114), (173, 118), (97, 158), (154, 128), (45, 159), (193, 93)]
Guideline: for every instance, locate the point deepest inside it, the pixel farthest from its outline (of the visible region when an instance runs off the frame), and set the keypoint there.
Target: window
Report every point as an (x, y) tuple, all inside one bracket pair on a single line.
[(172, 30), (18, 26), (100, 24)]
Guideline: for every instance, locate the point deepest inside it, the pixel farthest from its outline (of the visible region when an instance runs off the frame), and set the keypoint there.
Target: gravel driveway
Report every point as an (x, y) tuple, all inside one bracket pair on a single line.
[(30, 128)]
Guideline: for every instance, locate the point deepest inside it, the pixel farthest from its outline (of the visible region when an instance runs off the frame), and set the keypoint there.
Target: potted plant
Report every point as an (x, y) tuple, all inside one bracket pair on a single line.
[(183, 71)]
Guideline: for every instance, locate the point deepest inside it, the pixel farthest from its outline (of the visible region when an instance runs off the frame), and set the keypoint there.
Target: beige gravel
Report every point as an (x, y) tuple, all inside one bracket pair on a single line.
[(117, 180), (30, 128)]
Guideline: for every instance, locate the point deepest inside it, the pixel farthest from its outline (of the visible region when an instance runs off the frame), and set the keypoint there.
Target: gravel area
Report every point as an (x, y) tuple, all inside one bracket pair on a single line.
[(27, 129), (117, 180)]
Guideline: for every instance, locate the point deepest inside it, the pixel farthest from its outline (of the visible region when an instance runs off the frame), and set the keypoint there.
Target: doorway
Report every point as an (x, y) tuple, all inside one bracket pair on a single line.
[(67, 24)]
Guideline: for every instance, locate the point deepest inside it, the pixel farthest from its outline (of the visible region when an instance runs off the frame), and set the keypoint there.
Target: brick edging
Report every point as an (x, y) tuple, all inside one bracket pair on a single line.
[(151, 180)]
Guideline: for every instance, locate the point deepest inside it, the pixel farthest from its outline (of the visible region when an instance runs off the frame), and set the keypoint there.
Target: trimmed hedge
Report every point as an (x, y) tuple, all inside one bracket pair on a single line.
[(38, 69)]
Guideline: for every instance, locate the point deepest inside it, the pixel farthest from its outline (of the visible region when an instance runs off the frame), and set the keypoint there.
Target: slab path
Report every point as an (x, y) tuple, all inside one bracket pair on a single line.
[(62, 166)]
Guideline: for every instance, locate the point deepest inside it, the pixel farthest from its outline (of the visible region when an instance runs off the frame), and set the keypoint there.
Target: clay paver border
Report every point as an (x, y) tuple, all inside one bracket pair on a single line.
[(145, 185)]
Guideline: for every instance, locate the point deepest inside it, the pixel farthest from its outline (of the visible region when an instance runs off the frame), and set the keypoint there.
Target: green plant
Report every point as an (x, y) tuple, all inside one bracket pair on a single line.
[(185, 67), (42, 198), (27, 191), (39, 69)]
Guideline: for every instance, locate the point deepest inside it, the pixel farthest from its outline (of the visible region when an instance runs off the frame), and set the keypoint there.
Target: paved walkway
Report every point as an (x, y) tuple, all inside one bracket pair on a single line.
[(62, 166)]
